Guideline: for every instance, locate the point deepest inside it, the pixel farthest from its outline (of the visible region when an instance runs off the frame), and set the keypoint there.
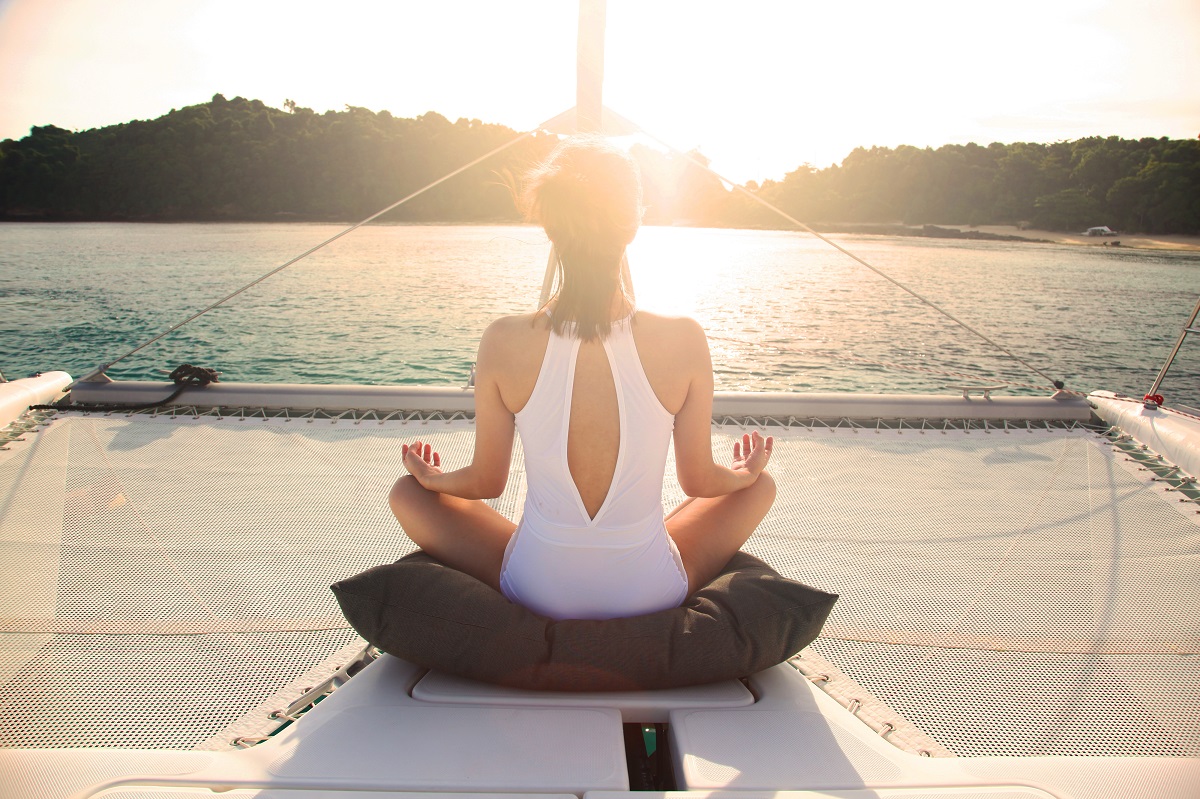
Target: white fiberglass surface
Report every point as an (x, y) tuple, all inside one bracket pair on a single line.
[(1008, 592)]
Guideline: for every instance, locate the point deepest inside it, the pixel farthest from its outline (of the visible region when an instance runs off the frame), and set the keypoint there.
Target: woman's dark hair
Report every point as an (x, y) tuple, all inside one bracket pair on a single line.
[(588, 198)]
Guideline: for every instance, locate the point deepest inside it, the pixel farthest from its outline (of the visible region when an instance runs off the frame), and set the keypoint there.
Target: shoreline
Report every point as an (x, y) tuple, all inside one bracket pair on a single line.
[(1137, 241), (1176, 242)]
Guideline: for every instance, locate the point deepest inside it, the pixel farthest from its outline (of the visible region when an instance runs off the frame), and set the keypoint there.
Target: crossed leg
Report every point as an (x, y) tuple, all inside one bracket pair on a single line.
[(709, 530), (465, 534), (468, 535)]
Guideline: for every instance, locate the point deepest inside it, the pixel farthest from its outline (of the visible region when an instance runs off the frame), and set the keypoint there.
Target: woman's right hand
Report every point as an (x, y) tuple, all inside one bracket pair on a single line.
[(752, 453), (421, 461)]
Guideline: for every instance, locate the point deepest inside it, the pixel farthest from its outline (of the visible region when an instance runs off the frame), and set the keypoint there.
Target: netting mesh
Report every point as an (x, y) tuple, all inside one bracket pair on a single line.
[(1010, 593), (161, 579), (163, 692)]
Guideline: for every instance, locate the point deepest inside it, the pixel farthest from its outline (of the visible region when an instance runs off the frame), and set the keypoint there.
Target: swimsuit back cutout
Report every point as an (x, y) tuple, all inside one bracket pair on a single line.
[(562, 563), (645, 428)]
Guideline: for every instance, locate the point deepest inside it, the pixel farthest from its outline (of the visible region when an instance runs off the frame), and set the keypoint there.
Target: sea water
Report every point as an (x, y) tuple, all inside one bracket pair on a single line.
[(406, 305)]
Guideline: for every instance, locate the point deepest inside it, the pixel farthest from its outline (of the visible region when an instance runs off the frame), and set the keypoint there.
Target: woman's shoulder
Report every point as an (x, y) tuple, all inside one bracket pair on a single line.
[(517, 326), (513, 334), (514, 324), (681, 330), (675, 342), (674, 355)]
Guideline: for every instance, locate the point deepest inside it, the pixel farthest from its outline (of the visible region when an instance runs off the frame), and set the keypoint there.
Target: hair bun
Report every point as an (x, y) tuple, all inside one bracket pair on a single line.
[(588, 197), (586, 183)]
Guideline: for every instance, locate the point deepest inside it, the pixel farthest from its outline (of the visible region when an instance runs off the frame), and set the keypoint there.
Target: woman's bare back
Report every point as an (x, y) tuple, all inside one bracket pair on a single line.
[(593, 433)]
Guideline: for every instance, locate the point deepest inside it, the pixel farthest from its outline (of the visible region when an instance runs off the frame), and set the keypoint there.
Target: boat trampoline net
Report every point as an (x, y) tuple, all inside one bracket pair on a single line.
[(164, 581)]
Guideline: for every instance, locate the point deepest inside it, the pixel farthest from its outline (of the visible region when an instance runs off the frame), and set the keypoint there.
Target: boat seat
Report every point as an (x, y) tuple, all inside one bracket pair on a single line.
[(635, 706)]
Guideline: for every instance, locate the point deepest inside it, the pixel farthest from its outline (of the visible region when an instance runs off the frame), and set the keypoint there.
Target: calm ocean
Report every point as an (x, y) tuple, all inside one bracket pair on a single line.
[(406, 304)]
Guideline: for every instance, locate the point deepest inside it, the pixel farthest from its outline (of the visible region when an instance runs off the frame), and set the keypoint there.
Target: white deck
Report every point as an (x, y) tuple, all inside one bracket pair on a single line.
[(1022, 604), (373, 737)]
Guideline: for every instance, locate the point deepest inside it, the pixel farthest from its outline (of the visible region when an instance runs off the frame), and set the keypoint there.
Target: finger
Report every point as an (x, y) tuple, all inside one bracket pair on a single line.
[(770, 443), (737, 450), (428, 453), (437, 460)]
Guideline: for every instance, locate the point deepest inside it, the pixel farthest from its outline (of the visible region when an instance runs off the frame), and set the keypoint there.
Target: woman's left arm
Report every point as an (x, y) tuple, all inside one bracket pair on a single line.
[(487, 474)]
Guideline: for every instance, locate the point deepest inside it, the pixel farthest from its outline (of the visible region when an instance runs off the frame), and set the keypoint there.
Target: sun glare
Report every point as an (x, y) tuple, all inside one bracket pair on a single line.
[(760, 88), (817, 80), (669, 278)]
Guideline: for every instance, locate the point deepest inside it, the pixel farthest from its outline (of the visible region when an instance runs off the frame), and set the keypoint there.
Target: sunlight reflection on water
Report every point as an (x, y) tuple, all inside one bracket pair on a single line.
[(406, 304)]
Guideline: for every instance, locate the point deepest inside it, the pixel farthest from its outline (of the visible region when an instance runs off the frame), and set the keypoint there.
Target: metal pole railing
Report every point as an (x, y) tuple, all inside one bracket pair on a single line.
[(1187, 328)]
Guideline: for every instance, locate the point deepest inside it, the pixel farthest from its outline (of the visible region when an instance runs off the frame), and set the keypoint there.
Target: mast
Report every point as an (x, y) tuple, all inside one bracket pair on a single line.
[(589, 75), (589, 106)]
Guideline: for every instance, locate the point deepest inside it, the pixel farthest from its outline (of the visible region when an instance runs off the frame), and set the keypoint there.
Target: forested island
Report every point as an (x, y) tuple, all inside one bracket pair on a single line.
[(241, 160)]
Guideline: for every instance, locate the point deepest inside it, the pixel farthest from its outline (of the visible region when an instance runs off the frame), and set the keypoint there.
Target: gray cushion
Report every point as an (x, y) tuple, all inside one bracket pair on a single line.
[(748, 619)]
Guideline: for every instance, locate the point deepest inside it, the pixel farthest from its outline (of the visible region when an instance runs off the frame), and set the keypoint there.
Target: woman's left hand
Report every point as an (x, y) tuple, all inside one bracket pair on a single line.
[(421, 461), (752, 453)]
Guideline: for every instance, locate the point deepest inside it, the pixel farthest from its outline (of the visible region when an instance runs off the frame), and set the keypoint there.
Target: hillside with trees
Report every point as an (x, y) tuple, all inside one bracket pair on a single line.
[(1148, 185), (243, 160)]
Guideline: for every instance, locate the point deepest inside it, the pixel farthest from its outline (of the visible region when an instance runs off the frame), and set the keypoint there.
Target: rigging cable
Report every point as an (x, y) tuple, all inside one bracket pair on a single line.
[(1058, 384), (842, 356), (101, 369)]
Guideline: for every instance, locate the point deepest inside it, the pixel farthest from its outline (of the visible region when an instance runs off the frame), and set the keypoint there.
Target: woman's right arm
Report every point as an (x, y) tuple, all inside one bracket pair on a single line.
[(487, 474), (698, 475)]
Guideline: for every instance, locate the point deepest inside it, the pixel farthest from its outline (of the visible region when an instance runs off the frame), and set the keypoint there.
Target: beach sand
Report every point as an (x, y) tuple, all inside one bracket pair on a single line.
[(1132, 240)]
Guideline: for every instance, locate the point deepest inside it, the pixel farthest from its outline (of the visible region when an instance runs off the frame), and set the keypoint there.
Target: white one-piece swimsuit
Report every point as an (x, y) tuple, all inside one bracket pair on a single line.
[(561, 563)]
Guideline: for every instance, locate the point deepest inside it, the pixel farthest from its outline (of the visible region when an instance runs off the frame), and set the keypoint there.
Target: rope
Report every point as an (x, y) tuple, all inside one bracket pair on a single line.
[(1058, 384), (184, 376), (187, 375), (323, 244)]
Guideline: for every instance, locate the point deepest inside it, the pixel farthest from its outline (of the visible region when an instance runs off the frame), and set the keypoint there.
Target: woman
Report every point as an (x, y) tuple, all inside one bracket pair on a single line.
[(597, 389)]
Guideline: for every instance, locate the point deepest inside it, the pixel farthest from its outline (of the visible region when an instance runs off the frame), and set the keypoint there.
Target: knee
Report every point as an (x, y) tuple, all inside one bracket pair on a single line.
[(764, 489), (404, 494), (408, 501)]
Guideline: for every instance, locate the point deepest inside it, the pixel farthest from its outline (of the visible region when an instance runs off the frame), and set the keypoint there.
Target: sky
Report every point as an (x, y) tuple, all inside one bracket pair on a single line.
[(759, 86)]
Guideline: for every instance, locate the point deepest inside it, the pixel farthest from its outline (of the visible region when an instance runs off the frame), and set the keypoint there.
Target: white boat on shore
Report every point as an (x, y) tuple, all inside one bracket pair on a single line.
[(1019, 613)]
